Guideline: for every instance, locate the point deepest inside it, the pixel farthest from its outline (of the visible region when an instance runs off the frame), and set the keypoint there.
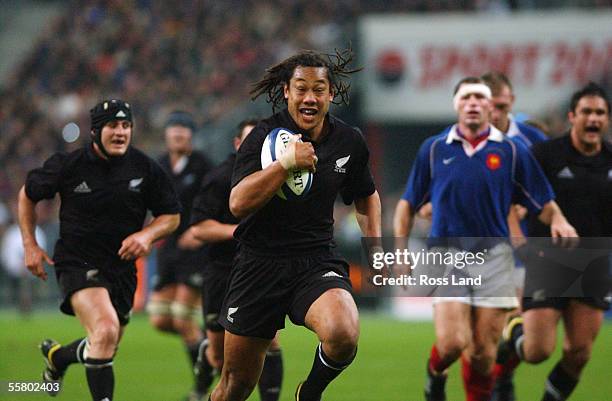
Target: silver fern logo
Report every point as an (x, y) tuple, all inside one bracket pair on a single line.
[(135, 184), (339, 168)]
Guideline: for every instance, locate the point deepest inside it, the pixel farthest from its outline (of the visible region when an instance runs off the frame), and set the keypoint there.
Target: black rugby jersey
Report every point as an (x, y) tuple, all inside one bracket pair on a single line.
[(186, 183), (102, 202), (212, 202), (299, 226), (582, 184)]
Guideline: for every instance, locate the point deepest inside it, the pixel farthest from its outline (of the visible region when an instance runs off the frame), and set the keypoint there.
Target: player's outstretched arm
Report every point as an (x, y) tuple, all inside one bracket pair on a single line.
[(211, 230), (559, 227), (34, 255), (188, 241), (255, 190), (140, 243), (368, 212)]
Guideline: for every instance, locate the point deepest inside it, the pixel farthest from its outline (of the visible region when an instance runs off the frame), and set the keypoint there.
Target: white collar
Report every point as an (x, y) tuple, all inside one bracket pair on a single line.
[(494, 135), (513, 129)]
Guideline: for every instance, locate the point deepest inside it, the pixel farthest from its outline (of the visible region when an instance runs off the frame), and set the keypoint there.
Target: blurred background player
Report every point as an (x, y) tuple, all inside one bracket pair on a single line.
[(579, 167), (502, 100), (473, 166), (174, 305), (285, 263), (105, 191), (12, 257), (214, 225)]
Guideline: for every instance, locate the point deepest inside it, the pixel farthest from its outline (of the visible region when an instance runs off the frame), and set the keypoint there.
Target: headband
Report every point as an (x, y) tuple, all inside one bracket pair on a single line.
[(466, 89)]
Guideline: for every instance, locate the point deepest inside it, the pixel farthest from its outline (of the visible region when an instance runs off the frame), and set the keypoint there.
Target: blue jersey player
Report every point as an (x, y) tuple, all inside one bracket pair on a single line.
[(470, 174), (527, 135), (502, 99)]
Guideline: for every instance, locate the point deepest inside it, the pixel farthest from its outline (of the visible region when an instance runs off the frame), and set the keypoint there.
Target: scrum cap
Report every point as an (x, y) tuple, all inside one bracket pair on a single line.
[(104, 112)]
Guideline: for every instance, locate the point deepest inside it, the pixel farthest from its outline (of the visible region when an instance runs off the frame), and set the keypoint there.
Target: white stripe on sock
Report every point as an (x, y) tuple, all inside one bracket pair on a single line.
[(320, 353), (82, 344), (552, 390), (519, 347)]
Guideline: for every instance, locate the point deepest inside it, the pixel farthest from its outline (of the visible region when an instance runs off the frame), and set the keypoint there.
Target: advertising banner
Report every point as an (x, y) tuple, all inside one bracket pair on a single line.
[(413, 62)]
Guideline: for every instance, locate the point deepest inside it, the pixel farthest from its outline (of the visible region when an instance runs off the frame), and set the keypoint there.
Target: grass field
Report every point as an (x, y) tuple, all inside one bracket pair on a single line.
[(153, 367)]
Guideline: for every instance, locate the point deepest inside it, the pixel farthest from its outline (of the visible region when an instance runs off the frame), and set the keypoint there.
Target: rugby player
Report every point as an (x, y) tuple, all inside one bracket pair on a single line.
[(286, 264), (174, 305), (105, 191), (579, 167), (213, 225), (501, 117), (470, 174)]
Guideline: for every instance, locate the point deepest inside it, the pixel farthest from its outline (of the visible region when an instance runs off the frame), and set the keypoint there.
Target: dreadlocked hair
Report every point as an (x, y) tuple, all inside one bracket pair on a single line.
[(279, 75)]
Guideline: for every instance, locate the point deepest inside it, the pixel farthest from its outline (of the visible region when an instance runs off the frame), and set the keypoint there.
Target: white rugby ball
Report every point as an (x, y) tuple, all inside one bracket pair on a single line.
[(299, 181)]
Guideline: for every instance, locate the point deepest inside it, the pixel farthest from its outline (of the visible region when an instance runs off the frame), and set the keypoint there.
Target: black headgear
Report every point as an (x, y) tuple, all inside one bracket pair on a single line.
[(182, 118), (105, 111)]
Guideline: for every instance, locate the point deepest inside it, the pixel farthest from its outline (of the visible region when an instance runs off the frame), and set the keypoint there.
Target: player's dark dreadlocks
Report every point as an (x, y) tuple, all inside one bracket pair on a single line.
[(277, 76)]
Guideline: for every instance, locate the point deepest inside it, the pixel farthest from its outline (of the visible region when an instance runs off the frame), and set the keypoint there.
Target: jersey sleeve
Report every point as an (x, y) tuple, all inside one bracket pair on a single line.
[(44, 182), (417, 190), (533, 134), (360, 182), (532, 188), (210, 201), (161, 196), (248, 157)]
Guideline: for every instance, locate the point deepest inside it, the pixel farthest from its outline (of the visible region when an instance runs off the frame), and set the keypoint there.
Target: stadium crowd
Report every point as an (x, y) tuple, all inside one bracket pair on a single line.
[(193, 55)]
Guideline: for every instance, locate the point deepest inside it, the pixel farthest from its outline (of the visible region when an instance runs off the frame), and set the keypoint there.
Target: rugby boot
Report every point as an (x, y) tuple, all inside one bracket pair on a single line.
[(51, 374)]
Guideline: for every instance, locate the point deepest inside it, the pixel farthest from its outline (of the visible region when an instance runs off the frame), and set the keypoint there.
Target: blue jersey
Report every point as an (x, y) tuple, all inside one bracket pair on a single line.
[(525, 133), (471, 189), (528, 136)]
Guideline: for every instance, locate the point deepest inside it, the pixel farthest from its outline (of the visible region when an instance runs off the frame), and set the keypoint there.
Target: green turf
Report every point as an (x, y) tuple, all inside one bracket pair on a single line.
[(390, 366)]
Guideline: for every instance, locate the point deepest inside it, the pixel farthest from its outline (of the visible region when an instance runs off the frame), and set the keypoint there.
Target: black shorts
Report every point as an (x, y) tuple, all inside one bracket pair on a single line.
[(176, 266), (562, 303), (216, 278), (263, 290), (121, 286), (551, 282)]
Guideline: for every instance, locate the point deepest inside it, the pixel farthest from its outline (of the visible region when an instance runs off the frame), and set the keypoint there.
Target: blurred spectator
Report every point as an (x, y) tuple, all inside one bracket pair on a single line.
[(192, 55)]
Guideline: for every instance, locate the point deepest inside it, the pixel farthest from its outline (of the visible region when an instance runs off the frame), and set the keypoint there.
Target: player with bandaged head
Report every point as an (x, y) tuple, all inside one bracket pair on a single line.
[(471, 174), (105, 189)]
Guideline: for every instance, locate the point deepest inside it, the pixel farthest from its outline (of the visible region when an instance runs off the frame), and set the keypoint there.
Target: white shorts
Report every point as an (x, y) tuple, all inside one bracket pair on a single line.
[(518, 275), (496, 288), (482, 302)]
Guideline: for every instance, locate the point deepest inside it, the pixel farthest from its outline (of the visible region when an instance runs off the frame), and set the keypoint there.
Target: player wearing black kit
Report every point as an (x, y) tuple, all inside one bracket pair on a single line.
[(285, 263), (105, 190), (579, 167), (174, 305), (213, 225)]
